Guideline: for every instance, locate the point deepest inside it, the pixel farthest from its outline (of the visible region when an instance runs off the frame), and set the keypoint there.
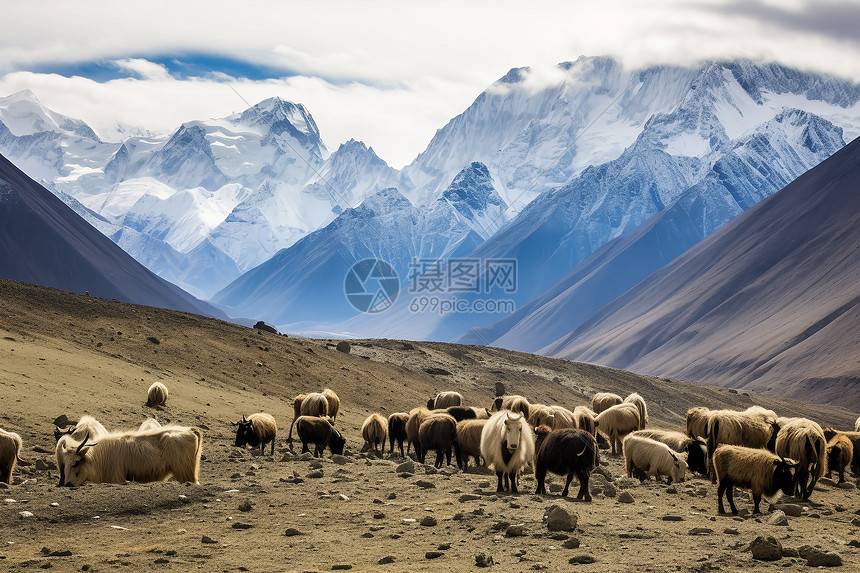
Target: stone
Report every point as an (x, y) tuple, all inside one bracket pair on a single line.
[(316, 474), (582, 560), (433, 554), (343, 346), (518, 530), (766, 549), (777, 518), (558, 519), (428, 521), (425, 484), (700, 531), (571, 543), (483, 560), (468, 497), (789, 509), (625, 497), (823, 559), (207, 539), (672, 518), (292, 532), (386, 560), (341, 567)]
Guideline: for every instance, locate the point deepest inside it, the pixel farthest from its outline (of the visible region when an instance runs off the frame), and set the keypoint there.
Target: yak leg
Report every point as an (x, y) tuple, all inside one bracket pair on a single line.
[(499, 488), (584, 493)]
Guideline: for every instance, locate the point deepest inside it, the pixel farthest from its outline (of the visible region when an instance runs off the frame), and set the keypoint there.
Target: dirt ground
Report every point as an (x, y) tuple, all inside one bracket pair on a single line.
[(63, 354)]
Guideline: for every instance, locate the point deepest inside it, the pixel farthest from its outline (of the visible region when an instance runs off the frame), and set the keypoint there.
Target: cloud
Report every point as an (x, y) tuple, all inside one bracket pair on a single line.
[(387, 73), (144, 68)]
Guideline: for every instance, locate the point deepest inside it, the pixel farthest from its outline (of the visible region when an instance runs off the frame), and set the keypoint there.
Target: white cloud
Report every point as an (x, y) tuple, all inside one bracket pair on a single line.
[(387, 72)]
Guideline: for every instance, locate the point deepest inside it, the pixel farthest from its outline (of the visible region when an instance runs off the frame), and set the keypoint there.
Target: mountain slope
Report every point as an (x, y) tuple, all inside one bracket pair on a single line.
[(758, 165), (43, 241), (770, 302)]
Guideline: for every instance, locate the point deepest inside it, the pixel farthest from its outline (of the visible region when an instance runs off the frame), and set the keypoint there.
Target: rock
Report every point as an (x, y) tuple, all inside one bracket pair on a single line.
[(671, 489), (316, 474), (823, 559), (700, 531), (339, 460), (62, 421), (777, 518), (854, 543), (434, 371), (341, 567), (239, 525), (428, 521), (292, 532), (406, 467), (245, 506), (572, 543), (468, 497), (433, 554), (483, 560), (207, 539), (581, 560), (731, 531), (425, 484), (625, 497), (555, 488), (672, 518), (518, 530), (766, 549), (846, 485), (343, 346), (609, 490), (790, 509), (42, 465), (558, 519), (790, 552), (25, 514), (386, 560)]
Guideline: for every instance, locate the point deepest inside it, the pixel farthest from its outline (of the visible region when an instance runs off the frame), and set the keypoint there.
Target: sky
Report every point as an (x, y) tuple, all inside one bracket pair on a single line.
[(388, 73)]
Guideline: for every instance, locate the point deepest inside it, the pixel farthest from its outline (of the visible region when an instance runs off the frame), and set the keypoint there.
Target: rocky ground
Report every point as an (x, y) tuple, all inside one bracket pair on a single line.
[(70, 355)]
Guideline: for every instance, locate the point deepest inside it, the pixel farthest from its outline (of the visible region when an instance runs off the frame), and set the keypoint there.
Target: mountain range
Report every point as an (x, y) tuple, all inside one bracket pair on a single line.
[(43, 241), (771, 302), (584, 181)]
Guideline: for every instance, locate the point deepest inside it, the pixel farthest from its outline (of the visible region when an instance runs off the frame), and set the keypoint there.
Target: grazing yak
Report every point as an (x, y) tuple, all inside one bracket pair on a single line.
[(696, 449), (639, 402), (803, 441), (734, 428), (461, 413), (373, 430), (616, 422), (507, 446), (320, 432), (566, 452), (156, 395), (840, 452), (444, 400), (397, 431), (469, 440), (652, 459), (313, 404), (514, 403), (439, 432), (764, 473), (604, 400), (256, 431), (10, 447), (132, 456), (416, 417), (333, 401)]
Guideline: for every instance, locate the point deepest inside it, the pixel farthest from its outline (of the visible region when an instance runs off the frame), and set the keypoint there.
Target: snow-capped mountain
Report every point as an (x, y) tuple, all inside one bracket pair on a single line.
[(43, 241), (535, 129), (769, 303), (305, 283), (758, 165)]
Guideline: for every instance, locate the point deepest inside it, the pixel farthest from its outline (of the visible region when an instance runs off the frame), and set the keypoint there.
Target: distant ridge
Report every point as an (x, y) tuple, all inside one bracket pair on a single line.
[(42, 241), (771, 302)]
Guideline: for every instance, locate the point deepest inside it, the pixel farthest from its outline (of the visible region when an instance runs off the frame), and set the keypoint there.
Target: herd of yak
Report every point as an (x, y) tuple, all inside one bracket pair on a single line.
[(754, 448)]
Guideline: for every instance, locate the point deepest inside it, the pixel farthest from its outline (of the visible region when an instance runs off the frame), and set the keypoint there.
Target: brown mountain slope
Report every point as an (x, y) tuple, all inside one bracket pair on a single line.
[(70, 354), (769, 303)]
